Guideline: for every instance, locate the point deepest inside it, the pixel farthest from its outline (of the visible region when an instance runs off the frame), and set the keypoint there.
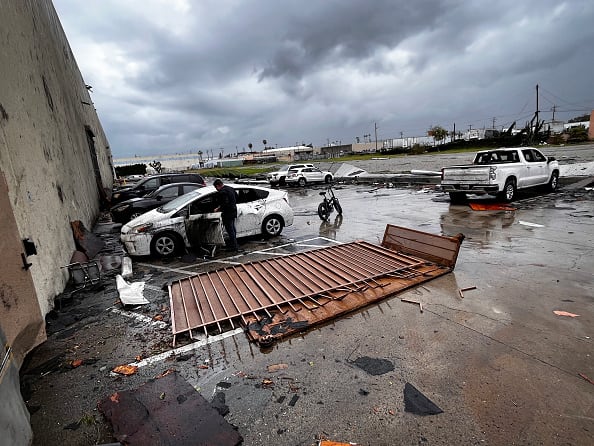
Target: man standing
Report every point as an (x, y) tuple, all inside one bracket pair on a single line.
[(227, 199)]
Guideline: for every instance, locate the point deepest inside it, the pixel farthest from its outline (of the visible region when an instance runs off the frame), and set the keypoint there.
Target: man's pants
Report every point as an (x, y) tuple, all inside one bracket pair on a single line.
[(229, 224)]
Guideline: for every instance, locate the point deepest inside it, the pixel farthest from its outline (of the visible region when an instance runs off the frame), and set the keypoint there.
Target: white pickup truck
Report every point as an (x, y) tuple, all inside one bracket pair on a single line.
[(500, 172)]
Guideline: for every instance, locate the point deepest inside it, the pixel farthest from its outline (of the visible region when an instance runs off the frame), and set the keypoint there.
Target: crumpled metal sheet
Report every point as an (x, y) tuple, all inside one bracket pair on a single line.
[(86, 241), (167, 411)]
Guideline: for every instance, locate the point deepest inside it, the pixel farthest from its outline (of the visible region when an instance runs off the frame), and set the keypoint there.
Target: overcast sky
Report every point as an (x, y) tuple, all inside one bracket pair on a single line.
[(172, 76)]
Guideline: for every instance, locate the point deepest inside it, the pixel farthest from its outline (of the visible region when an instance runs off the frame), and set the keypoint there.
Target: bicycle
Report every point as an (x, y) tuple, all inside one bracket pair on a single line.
[(328, 204)]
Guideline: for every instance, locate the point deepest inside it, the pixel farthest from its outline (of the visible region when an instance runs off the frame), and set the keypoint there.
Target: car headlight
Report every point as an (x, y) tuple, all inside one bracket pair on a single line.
[(142, 228), (116, 195)]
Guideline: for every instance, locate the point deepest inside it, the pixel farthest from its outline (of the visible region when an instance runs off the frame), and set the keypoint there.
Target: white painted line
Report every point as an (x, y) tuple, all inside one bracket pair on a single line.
[(164, 268), (527, 223), (186, 348), (138, 317)]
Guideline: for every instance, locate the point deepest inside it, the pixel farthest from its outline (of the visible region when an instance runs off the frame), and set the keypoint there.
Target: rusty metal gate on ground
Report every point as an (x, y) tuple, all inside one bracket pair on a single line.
[(308, 287)]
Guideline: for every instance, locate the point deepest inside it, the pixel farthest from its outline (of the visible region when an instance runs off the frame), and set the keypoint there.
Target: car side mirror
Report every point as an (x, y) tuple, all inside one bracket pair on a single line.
[(550, 158), (159, 197)]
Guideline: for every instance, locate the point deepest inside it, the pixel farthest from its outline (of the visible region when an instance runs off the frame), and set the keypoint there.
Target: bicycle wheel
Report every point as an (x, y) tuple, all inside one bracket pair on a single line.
[(323, 211), (337, 206)]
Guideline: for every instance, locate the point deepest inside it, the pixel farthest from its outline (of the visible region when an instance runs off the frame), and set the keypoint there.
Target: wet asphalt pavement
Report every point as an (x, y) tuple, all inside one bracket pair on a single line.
[(500, 364)]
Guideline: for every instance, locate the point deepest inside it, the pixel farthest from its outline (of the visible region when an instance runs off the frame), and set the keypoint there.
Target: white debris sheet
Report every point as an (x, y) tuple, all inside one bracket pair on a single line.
[(131, 293)]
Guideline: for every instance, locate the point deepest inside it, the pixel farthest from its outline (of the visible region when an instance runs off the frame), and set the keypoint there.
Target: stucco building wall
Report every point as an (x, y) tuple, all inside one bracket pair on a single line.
[(47, 120)]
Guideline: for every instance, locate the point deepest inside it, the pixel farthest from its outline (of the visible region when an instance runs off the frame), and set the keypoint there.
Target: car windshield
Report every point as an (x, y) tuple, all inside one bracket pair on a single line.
[(154, 193), (179, 202)]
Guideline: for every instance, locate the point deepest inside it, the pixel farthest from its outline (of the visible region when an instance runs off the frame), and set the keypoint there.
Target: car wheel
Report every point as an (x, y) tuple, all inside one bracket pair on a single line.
[(323, 211), (165, 244), (272, 226), (457, 197), (273, 183), (328, 179), (281, 181), (554, 182), (509, 190), (302, 182), (337, 206)]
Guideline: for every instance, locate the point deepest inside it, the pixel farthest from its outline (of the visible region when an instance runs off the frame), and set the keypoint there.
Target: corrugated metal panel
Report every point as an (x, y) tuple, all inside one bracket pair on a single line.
[(244, 293)]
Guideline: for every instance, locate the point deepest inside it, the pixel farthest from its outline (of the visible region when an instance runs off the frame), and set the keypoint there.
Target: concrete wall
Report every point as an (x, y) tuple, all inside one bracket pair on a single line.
[(44, 152)]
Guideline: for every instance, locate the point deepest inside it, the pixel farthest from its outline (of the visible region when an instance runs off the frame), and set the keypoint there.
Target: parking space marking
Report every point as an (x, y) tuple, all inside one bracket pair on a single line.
[(138, 317), (166, 268), (186, 348)]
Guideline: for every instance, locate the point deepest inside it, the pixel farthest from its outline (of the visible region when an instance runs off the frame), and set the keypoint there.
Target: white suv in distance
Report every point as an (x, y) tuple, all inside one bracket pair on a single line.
[(278, 177), (307, 175), (190, 220)]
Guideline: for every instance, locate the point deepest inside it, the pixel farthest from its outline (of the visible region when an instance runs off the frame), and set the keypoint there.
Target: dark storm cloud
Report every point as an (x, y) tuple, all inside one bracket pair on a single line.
[(178, 74)]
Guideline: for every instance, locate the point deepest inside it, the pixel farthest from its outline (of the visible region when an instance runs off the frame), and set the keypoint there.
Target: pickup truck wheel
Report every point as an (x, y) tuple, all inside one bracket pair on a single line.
[(554, 182), (302, 182), (457, 197), (328, 179), (509, 190)]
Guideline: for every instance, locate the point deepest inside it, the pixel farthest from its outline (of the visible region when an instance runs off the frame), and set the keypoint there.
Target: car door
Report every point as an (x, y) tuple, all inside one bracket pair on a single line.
[(203, 226), (540, 167), (533, 169), (315, 175), (251, 205)]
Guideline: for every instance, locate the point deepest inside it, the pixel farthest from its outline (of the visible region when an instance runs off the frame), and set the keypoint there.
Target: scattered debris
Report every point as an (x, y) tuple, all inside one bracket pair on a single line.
[(420, 304), (293, 400), (181, 418), (276, 367), (267, 383), (462, 290), (417, 403), (126, 267), (586, 378), (565, 313), (491, 207), (76, 363), (125, 369), (374, 366), (86, 241), (130, 293), (334, 443)]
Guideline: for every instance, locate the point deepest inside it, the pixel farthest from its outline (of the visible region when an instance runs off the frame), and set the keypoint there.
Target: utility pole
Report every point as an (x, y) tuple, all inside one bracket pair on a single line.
[(454, 135), (554, 108), (537, 104), (493, 123), (375, 136)]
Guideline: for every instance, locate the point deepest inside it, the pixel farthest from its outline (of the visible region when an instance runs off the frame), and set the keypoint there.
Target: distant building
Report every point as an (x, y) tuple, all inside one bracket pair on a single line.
[(294, 153)]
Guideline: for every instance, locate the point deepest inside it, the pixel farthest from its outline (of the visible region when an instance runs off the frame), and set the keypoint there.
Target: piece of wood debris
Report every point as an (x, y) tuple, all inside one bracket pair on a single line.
[(420, 304), (462, 290)]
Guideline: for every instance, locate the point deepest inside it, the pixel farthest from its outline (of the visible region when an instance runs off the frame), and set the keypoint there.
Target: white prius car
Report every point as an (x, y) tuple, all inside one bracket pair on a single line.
[(189, 221)]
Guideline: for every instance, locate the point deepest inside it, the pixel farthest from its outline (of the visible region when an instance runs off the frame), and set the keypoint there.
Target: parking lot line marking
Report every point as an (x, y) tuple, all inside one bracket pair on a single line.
[(186, 348), (165, 268), (138, 317)]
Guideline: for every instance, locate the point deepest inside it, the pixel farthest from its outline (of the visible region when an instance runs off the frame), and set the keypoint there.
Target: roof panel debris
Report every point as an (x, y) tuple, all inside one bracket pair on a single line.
[(277, 297)]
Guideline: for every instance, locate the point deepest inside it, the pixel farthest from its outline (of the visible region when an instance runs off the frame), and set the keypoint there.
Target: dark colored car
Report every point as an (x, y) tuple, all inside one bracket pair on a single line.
[(127, 210), (152, 183)]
